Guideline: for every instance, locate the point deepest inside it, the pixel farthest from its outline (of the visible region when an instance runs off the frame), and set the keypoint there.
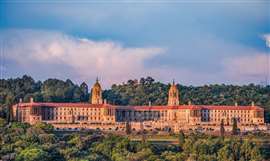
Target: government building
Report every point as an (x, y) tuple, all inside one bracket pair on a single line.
[(98, 114)]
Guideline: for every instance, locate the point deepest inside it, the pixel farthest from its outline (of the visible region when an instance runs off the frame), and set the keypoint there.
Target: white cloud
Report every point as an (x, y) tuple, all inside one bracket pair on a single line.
[(267, 39), (88, 58)]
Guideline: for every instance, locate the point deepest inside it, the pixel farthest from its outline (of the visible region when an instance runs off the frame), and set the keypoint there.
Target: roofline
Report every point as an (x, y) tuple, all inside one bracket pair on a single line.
[(159, 107)]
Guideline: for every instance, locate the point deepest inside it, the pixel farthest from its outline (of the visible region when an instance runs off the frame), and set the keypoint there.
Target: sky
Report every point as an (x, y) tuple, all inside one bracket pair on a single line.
[(193, 42)]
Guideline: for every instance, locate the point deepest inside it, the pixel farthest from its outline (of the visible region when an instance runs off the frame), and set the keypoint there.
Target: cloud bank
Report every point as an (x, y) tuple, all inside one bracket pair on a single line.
[(267, 39), (87, 58), (249, 67), (47, 54)]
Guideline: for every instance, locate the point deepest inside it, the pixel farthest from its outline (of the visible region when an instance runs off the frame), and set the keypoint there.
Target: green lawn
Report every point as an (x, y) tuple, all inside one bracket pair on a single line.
[(173, 139)]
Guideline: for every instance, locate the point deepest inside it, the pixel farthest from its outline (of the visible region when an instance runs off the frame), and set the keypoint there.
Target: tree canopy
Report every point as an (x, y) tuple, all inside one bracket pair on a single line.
[(22, 142)]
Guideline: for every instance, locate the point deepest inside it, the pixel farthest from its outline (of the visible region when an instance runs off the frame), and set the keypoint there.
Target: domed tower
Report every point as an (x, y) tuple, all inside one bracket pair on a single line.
[(173, 98), (96, 93)]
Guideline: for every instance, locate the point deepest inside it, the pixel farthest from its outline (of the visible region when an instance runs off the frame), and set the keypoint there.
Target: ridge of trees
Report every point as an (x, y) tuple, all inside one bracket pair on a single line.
[(132, 92)]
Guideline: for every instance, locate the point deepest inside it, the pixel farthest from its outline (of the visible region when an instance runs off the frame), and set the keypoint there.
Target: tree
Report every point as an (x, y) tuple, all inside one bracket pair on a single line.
[(128, 128), (84, 89), (142, 132), (234, 127), (2, 123), (249, 151), (222, 129), (32, 154), (7, 106), (181, 138), (230, 151), (225, 154), (44, 126), (172, 156)]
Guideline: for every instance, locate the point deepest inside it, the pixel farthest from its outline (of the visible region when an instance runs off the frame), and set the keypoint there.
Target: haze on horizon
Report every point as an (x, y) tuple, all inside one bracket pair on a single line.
[(210, 42)]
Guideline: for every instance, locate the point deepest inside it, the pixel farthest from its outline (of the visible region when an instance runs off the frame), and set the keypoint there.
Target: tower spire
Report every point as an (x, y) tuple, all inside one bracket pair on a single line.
[(173, 95), (96, 93)]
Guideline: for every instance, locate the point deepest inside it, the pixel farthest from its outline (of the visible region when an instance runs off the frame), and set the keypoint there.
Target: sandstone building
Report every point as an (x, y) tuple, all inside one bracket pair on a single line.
[(100, 115)]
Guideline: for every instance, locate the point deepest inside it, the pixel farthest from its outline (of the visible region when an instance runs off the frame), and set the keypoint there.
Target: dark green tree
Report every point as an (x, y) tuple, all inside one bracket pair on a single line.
[(181, 138), (84, 90), (234, 127), (128, 128), (222, 129)]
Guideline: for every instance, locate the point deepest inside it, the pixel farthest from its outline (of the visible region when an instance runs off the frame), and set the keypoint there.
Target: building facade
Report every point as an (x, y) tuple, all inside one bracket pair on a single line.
[(100, 115)]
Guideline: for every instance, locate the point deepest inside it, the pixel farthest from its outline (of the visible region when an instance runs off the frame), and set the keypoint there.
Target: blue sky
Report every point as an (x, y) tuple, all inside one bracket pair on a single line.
[(195, 43)]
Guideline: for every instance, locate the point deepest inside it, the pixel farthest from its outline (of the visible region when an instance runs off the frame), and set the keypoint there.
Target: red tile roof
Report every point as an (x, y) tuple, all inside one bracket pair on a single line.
[(158, 107), (88, 105), (230, 107), (49, 104)]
